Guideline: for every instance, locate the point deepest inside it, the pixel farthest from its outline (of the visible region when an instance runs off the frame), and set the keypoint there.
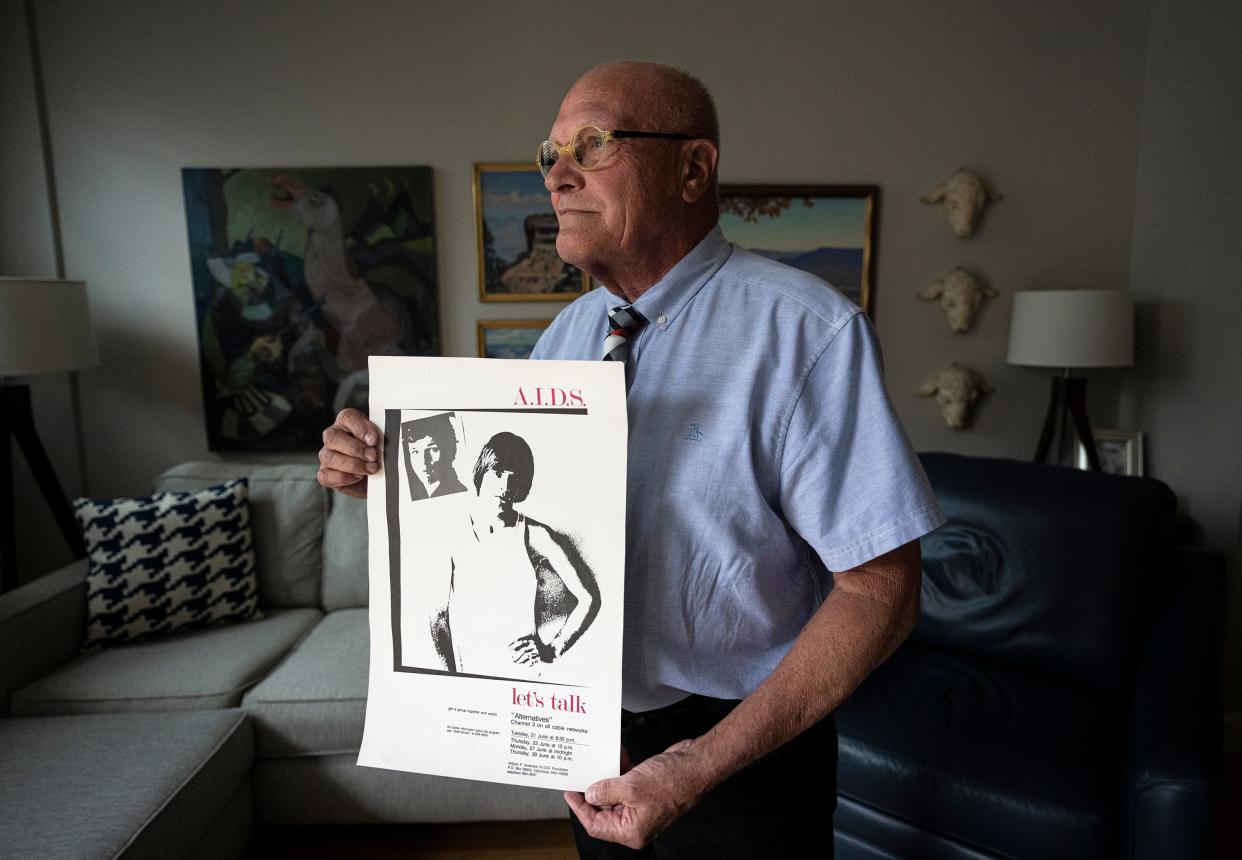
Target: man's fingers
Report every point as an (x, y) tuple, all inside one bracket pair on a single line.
[(605, 792), (347, 464), (359, 425), (344, 442), (345, 482)]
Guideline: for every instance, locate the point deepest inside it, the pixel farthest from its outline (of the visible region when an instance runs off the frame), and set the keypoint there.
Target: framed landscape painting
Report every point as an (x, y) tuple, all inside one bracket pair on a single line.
[(515, 230), (299, 276), (827, 230), (509, 338)]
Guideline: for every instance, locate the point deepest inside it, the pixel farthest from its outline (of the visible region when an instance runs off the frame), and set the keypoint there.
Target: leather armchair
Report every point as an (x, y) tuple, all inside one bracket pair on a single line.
[(1060, 696)]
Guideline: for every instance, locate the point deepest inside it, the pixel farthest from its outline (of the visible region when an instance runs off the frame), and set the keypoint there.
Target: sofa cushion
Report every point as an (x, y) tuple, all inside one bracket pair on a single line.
[(316, 700), (1020, 762), (119, 785), (1046, 568), (345, 554), (167, 562), (287, 511), (205, 668)]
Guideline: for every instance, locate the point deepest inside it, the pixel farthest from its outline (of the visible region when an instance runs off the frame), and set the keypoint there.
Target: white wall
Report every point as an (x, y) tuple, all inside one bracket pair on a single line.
[(1186, 273), (1043, 98)]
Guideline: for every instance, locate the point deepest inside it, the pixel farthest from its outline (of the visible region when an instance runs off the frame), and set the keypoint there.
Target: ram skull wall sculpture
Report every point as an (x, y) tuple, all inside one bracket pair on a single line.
[(964, 195), (960, 293), (956, 389)]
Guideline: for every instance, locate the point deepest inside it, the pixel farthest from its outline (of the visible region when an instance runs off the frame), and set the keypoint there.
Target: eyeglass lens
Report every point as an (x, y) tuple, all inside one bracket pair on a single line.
[(589, 147)]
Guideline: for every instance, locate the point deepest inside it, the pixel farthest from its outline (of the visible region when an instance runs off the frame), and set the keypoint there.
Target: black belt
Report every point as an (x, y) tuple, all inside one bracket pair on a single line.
[(694, 704)]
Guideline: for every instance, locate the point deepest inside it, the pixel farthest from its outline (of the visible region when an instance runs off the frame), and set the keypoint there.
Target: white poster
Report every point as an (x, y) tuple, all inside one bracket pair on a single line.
[(497, 558)]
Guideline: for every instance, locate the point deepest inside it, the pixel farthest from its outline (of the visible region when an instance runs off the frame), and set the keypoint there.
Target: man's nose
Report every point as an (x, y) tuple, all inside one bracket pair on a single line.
[(564, 175)]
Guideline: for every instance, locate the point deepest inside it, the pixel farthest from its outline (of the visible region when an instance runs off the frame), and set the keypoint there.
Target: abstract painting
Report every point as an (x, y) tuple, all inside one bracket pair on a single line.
[(301, 274)]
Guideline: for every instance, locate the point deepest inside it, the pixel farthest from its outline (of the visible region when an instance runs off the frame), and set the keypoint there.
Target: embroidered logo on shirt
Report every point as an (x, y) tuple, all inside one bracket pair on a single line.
[(695, 433)]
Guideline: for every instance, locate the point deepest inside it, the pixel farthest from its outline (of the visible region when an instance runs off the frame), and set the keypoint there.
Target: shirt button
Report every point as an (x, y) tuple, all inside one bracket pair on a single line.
[(662, 319)]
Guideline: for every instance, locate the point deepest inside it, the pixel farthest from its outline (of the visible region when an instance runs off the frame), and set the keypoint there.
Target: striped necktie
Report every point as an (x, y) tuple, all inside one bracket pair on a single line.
[(624, 321)]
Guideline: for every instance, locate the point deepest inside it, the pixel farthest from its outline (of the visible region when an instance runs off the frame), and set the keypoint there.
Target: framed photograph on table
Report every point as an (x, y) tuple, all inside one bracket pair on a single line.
[(827, 230), (1121, 452), (509, 338), (515, 232)]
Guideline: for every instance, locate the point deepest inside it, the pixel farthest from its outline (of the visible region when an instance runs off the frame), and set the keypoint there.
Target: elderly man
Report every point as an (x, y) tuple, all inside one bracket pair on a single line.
[(773, 501)]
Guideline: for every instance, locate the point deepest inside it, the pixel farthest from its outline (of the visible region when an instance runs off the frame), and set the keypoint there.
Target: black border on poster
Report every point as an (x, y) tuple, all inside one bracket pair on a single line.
[(392, 451)]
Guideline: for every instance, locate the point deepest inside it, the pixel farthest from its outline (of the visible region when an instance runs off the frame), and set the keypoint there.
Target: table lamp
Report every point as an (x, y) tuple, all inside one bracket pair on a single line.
[(1071, 329), (45, 327)]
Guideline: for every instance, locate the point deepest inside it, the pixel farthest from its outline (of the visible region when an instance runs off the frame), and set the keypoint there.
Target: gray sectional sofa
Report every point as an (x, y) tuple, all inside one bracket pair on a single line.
[(177, 746)]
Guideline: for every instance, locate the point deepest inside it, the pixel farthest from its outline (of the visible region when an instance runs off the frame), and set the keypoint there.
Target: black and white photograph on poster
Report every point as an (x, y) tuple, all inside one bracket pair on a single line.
[(496, 570)]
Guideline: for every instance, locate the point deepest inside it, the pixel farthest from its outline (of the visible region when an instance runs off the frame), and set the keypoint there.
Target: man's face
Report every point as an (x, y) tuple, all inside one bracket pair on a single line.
[(425, 457), (498, 487), (609, 215)]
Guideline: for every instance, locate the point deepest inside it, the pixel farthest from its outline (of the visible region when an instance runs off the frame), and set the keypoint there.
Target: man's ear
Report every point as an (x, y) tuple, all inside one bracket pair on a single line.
[(698, 169)]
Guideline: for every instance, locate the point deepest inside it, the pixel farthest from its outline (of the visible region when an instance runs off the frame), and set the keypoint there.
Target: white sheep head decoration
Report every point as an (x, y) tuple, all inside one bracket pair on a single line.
[(956, 389), (960, 293), (964, 195)]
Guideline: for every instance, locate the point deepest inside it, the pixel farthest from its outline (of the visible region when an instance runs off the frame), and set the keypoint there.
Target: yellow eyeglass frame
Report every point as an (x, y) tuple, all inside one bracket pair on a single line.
[(549, 146)]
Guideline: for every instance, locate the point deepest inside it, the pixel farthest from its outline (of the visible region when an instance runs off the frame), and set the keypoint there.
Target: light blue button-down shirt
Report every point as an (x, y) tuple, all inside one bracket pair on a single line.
[(763, 453)]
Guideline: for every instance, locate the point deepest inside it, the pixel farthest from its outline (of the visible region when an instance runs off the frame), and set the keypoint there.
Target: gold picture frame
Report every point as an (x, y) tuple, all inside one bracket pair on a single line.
[(1120, 451), (515, 238), (516, 345), (829, 231)]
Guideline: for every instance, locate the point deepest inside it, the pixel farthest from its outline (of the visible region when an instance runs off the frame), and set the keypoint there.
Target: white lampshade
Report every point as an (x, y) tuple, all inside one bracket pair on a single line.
[(1072, 328), (45, 327)]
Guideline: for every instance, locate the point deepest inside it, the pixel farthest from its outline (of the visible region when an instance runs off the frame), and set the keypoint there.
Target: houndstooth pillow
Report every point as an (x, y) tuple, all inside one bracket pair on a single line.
[(167, 562)]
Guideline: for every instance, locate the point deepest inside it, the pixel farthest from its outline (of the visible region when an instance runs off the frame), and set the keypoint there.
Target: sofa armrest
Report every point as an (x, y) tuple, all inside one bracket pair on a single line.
[(42, 625), (1174, 745)]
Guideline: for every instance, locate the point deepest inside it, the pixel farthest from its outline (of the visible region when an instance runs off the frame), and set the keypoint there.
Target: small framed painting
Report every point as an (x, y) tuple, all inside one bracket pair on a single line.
[(509, 338), (827, 230), (1121, 452), (515, 230)]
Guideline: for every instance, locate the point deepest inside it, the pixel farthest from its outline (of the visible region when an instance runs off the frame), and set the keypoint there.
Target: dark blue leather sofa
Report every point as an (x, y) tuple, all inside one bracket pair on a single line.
[(1060, 696)]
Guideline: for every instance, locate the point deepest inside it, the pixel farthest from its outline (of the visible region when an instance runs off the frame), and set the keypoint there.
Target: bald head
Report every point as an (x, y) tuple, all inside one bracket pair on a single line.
[(651, 198), (659, 97)]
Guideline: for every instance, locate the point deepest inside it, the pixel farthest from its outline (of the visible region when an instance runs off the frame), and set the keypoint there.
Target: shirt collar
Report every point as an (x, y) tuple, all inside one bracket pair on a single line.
[(664, 300)]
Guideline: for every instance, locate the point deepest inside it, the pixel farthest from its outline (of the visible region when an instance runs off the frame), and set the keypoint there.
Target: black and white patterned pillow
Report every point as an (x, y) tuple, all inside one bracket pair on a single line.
[(167, 562)]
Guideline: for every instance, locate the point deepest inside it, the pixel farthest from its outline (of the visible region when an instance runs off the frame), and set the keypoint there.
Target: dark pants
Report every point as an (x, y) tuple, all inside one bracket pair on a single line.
[(779, 806)]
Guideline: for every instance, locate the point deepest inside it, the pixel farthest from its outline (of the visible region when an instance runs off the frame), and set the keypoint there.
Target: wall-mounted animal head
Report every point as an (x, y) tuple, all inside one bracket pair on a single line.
[(960, 293), (964, 195), (956, 389)]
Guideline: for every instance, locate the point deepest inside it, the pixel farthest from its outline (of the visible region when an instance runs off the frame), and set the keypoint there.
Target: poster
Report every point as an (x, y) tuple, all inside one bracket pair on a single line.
[(496, 562), (299, 275)]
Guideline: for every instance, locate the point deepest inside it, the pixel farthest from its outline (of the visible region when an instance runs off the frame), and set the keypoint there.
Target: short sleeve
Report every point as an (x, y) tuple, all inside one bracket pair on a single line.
[(850, 483)]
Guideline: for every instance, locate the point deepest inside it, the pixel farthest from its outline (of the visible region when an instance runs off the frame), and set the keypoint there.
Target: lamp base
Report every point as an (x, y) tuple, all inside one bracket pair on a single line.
[(17, 421), (1069, 398)]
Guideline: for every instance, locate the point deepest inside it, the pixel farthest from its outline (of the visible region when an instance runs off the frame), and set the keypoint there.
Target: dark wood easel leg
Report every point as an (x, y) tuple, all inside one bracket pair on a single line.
[(17, 420), (1056, 406), (8, 525), (1077, 400)]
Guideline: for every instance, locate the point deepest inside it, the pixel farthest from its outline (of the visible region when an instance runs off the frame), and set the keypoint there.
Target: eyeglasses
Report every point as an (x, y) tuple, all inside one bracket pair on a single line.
[(589, 147)]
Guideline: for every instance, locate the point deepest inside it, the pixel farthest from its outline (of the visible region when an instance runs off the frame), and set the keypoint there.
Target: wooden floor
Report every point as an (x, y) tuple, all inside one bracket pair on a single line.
[(552, 840)]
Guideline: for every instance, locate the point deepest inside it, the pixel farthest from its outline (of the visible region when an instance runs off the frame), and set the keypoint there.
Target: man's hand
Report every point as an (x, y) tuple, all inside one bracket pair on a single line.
[(529, 650), (639, 805), (349, 454)]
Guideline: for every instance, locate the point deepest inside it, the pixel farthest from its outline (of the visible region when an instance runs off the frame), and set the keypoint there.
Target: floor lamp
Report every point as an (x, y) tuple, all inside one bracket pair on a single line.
[(45, 327), (1070, 329)]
